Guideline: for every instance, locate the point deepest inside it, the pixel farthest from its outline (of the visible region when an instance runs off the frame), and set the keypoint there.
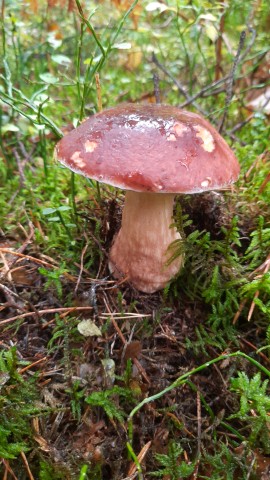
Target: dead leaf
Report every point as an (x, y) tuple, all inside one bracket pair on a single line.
[(133, 350), (89, 329)]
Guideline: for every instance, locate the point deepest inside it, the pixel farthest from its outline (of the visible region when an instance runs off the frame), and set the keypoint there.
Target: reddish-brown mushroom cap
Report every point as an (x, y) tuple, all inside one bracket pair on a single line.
[(150, 148)]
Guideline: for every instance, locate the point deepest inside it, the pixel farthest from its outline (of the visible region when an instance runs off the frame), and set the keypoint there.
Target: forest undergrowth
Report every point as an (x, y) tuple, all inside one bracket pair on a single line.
[(97, 380)]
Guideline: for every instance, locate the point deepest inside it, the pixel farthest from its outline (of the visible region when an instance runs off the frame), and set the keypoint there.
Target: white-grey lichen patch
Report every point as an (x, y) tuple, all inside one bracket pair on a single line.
[(179, 129), (206, 137), (78, 160), (207, 182), (90, 146), (171, 137)]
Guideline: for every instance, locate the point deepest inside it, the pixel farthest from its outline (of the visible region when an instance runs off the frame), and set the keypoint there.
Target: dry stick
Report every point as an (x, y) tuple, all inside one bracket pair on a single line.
[(28, 367), (191, 99), (3, 10), (156, 87), (229, 94), (218, 68), (8, 469), (199, 435), (187, 96), (180, 87), (42, 312), (6, 272), (81, 267), (26, 155), (240, 125), (204, 90), (261, 354), (26, 257), (140, 457), (32, 259), (265, 270), (115, 324), (99, 96), (136, 361), (20, 169), (27, 466), (222, 80), (9, 293), (264, 183)]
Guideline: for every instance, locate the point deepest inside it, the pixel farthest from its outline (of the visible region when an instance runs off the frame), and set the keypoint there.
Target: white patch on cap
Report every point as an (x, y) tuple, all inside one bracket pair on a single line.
[(171, 137), (90, 146), (208, 141), (180, 128), (78, 160), (207, 182)]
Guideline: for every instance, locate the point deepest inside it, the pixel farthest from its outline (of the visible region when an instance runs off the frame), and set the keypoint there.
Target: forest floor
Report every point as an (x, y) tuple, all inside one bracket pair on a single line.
[(97, 380)]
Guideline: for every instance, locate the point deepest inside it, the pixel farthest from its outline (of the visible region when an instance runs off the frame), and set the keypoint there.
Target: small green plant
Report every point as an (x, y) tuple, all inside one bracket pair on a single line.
[(259, 245), (17, 398), (254, 407), (53, 278), (172, 464), (59, 217), (47, 471), (215, 464), (108, 400), (76, 394)]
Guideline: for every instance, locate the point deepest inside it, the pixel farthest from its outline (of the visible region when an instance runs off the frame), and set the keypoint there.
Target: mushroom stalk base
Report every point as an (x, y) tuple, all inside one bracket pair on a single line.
[(140, 249)]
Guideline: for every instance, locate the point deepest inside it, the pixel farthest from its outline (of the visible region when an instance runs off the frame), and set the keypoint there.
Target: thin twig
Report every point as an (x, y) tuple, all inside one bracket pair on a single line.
[(140, 457), (42, 312), (180, 87), (204, 90), (229, 94), (99, 95), (218, 67), (136, 361), (26, 257), (27, 465), (8, 469), (20, 169), (240, 125), (9, 293), (190, 99), (81, 267), (156, 87), (28, 367)]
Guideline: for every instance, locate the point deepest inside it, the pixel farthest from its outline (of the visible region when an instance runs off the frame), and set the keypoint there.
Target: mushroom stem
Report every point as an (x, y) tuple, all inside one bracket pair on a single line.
[(140, 249)]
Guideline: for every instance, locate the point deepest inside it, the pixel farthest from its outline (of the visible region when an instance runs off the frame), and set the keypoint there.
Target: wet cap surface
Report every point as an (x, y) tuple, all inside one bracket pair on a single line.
[(150, 148)]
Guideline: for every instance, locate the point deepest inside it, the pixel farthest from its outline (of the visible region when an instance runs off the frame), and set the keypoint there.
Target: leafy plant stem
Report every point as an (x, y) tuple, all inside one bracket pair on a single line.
[(63, 223), (83, 472), (183, 379), (135, 460), (9, 100), (212, 415), (88, 24), (73, 193)]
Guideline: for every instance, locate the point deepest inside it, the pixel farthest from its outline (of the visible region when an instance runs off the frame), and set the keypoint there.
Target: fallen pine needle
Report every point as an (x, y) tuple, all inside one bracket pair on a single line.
[(42, 312), (27, 466), (140, 458)]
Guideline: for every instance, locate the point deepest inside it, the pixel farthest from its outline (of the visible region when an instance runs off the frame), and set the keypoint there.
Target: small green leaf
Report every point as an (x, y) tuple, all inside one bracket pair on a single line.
[(48, 78), (9, 127), (63, 208), (48, 211), (61, 60)]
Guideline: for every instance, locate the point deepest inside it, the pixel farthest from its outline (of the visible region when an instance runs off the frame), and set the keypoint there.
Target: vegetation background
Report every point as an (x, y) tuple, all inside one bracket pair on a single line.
[(99, 381)]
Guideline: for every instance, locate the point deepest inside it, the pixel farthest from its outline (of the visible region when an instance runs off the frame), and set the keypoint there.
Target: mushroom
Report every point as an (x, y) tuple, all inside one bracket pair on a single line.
[(154, 152)]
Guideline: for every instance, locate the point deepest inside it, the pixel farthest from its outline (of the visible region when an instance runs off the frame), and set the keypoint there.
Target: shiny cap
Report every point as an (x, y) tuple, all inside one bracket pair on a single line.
[(150, 148)]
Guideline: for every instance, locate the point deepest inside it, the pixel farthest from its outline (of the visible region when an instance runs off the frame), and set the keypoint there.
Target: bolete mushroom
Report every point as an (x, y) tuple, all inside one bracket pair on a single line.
[(154, 152)]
